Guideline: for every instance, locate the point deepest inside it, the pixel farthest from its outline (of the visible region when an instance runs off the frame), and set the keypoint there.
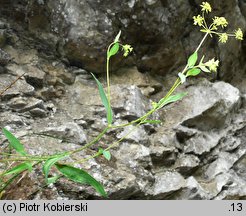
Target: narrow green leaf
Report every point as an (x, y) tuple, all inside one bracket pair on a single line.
[(80, 176), (148, 121), (104, 101), (14, 142), (171, 99), (182, 77), (8, 182), (107, 155), (114, 49), (192, 59), (19, 168), (203, 68), (193, 72), (48, 164), (117, 37)]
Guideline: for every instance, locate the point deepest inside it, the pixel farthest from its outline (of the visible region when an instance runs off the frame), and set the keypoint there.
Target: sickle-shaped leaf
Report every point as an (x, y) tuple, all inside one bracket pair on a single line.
[(80, 176), (192, 59), (104, 101), (114, 49), (48, 164), (19, 168), (14, 142)]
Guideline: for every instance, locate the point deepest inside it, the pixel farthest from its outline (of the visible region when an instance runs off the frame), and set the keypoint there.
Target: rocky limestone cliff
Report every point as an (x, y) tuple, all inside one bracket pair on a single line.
[(199, 150)]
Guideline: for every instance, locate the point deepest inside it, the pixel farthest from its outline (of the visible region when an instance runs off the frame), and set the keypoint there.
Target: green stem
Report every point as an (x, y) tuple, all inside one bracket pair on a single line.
[(110, 146), (202, 41), (108, 82), (107, 71), (90, 143)]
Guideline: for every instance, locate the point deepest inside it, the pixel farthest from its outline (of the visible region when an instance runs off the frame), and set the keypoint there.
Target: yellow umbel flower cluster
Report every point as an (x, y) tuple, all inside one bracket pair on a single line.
[(239, 34), (206, 7), (220, 21), (198, 20), (213, 27), (212, 65), (127, 49)]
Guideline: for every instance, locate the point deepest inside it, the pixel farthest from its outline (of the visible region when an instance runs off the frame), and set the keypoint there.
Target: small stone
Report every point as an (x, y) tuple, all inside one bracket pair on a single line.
[(186, 164), (202, 143), (33, 103), (34, 76), (133, 155), (17, 103), (193, 191), (138, 135), (4, 57), (220, 165), (20, 87), (3, 38), (37, 112), (69, 132), (167, 183)]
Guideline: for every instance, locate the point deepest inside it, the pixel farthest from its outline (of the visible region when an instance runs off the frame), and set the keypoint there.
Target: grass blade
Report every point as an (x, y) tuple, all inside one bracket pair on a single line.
[(19, 168), (14, 142), (48, 164), (104, 101)]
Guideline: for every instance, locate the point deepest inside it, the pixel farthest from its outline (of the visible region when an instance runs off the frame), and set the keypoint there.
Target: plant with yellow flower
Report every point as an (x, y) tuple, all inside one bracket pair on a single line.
[(212, 28)]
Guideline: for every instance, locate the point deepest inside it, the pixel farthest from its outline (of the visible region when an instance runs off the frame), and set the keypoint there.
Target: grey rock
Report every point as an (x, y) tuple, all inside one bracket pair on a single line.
[(8, 118), (185, 164), (3, 38), (193, 191), (69, 132), (19, 88), (129, 102), (34, 76), (135, 135), (163, 148), (234, 188), (224, 162), (167, 183), (32, 103), (134, 155), (132, 76), (18, 103), (202, 143), (212, 104), (4, 57), (37, 112)]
